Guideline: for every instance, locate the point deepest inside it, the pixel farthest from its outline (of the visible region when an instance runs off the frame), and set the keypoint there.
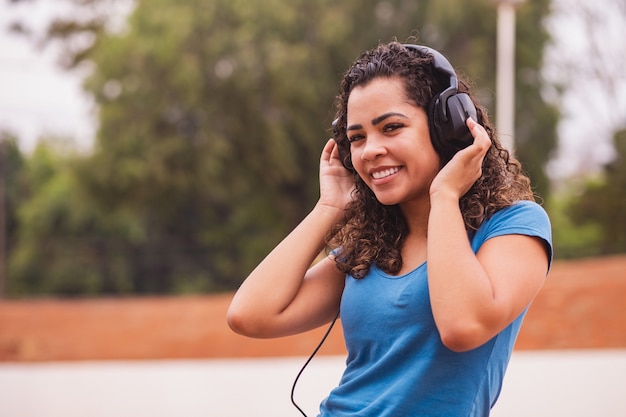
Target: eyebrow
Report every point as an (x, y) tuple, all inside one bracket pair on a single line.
[(377, 120)]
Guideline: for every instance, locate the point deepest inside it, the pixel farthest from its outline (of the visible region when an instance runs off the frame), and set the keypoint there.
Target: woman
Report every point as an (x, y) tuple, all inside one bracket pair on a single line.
[(437, 250)]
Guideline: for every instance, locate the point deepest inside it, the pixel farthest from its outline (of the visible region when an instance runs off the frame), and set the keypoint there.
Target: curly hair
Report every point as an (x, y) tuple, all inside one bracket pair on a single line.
[(374, 233)]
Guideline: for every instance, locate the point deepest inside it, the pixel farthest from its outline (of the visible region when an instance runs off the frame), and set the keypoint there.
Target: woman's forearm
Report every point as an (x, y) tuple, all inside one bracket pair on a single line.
[(460, 290)]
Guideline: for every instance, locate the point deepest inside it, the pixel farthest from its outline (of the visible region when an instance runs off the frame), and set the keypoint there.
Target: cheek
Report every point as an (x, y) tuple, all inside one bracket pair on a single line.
[(425, 162), (357, 163), (355, 156), (433, 163), (429, 153)]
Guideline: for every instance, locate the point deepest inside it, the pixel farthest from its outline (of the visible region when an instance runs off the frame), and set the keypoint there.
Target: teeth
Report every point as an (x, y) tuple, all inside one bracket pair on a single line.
[(382, 174)]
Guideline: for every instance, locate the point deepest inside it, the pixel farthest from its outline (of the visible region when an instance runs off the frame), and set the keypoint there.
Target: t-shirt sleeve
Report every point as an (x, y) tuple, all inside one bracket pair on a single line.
[(524, 218)]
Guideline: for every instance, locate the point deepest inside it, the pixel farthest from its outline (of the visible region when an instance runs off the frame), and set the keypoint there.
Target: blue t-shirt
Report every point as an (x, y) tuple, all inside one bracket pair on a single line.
[(397, 365)]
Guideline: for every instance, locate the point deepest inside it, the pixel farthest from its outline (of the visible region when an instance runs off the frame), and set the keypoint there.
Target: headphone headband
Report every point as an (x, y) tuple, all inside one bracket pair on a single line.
[(441, 64), (448, 110)]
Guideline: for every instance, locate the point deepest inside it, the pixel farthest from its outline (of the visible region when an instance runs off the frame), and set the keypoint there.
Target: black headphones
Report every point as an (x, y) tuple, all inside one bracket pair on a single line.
[(448, 110)]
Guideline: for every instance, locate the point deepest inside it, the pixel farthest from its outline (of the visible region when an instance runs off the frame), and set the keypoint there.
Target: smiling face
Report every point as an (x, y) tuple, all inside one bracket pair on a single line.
[(390, 143)]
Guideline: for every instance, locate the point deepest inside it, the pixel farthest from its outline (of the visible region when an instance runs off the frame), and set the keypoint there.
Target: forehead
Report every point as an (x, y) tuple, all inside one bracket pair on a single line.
[(377, 95)]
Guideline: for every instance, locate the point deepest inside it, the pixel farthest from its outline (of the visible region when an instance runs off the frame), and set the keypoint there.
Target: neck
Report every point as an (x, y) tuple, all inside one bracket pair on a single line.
[(416, 215)]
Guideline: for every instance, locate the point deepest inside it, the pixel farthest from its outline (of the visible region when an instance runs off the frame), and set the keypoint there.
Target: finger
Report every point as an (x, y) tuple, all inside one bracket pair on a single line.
[(328, 150), (335, 153), (474, 127), (481, 137)]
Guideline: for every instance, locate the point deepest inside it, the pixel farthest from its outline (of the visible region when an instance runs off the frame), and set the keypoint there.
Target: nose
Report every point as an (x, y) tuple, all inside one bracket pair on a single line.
[(373, 148)]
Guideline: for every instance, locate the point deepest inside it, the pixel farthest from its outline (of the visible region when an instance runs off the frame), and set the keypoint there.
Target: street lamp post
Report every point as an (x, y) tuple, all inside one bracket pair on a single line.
[(505, 73)]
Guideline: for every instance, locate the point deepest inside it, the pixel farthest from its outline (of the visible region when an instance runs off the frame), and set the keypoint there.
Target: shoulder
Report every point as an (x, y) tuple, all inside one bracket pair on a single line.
[(522, 218), (523, 215)]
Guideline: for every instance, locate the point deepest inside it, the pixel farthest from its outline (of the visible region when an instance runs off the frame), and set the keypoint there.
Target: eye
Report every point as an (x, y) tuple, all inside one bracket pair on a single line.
[(390, 127), (355, 137)]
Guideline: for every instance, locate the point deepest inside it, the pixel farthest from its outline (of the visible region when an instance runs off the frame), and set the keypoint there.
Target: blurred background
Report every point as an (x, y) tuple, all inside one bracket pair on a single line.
[(151, 153)]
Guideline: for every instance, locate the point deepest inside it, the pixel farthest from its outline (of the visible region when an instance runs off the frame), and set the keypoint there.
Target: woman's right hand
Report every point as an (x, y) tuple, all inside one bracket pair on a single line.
[(336, 182)]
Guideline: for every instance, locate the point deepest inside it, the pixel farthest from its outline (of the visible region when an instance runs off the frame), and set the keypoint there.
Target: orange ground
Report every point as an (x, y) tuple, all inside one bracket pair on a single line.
[(582, 306)]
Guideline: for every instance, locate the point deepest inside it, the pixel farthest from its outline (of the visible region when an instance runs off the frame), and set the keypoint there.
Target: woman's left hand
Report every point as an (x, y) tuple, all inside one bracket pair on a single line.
[(458, 175)]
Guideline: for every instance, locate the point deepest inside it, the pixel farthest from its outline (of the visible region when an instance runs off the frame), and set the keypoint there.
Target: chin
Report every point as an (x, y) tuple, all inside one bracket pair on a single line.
[(387, 200)]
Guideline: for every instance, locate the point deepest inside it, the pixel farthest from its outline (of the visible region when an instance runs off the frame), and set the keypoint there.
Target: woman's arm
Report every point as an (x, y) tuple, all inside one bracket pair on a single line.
[(284, 295), (475, 296)]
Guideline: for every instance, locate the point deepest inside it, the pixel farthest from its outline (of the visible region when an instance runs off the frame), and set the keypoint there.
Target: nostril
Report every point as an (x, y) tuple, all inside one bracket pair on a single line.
[(372, 152)]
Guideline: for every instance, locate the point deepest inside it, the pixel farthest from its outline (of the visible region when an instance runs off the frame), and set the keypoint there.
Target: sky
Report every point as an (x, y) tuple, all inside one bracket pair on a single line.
[(587, 56), (38, 98)]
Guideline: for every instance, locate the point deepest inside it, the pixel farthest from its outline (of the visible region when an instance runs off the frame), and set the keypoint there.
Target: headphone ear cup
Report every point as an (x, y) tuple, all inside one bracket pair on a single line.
[(451, 135), (434, 126)]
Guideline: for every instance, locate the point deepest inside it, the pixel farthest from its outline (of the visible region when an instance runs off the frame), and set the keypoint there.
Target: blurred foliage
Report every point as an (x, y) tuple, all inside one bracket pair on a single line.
[(11, 195), (64, 238), (212, 116), (571, 240), (602, 204)]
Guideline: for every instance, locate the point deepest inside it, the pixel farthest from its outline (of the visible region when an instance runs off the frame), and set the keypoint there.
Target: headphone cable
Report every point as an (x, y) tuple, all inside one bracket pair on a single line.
[(293, 387)]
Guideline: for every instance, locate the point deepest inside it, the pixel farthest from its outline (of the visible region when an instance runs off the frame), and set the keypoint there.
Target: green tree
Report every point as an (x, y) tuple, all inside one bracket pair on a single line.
[(65, 244), (212, 116), (11, 162), (603, 203)]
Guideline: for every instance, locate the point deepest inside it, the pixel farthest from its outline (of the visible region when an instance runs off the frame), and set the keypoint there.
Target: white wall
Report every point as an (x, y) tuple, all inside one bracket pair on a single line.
[(538, 384)]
